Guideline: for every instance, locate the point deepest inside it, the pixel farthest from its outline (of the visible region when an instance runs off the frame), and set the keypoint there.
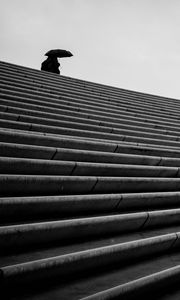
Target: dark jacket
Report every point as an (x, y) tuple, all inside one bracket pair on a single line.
[(51, 65)]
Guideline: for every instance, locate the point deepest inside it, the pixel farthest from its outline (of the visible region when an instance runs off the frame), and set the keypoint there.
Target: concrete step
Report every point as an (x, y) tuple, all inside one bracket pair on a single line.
[(163, 134), (58, 207), (67, 94), (56, 119), (151, 99), (153, 284), (65, 154), (53, 207), (125, 121), (34, 185), (85, 261), (48, 140), (26, 235), (13, 82), (73, 168), (130, 137), (31, 74), (5, 94), (11, 109), (65, 104), (71, 288), (46, 250)]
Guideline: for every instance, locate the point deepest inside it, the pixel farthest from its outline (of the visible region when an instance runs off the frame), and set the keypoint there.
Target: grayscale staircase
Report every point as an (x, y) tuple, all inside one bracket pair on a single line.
[(89, 190)]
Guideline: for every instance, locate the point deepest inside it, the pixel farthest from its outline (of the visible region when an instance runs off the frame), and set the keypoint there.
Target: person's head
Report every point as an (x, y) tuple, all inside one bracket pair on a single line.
[(53, 57)]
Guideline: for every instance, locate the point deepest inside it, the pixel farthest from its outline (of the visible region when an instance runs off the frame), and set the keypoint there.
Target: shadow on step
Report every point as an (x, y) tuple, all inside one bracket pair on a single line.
[(82, 284)]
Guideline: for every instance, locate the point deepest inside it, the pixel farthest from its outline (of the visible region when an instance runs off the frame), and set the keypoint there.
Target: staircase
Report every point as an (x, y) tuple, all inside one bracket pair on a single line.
[(89, 190)]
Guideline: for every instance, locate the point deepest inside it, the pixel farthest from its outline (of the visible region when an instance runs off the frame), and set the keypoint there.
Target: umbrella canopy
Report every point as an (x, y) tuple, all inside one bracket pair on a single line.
[(59, 53)]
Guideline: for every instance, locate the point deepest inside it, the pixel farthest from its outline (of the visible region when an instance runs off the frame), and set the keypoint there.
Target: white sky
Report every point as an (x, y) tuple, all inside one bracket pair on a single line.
[(132, 44)]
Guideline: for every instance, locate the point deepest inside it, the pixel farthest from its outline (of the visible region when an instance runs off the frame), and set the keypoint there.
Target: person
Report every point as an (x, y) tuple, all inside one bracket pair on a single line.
[(51, 64)]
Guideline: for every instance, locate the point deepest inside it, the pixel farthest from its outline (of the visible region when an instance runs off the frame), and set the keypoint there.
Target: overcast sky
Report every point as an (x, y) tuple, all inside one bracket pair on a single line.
[(132, 44)]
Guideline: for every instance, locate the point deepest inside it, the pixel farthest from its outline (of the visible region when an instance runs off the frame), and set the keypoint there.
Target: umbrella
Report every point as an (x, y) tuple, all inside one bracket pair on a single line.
[(59, 53)]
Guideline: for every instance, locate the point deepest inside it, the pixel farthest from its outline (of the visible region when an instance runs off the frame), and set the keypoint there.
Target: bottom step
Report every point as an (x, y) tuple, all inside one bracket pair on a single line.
[(154, 283), (106, 280)]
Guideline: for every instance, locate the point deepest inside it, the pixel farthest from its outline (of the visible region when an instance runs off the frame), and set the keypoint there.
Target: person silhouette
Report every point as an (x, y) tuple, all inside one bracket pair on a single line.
[(51, 64)]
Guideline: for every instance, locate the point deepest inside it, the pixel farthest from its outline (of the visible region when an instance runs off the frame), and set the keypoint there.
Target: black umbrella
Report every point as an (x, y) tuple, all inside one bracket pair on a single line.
[(59, 53)]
